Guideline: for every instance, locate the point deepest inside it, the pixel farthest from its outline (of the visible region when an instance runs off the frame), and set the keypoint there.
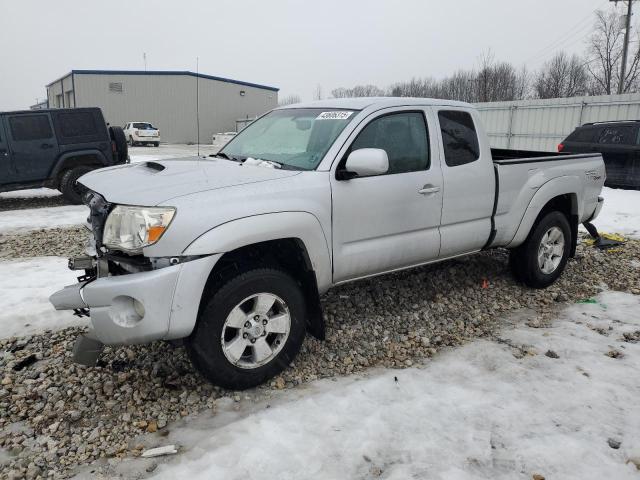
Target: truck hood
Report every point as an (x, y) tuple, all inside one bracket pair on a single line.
[(156, 182)]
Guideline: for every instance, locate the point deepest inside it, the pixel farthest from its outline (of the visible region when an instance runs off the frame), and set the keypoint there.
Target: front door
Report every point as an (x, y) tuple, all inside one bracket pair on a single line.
[(390, 221), (33, 145)]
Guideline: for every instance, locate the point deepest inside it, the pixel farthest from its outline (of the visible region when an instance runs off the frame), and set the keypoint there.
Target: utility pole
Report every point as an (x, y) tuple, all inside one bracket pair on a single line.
[(625, 50)]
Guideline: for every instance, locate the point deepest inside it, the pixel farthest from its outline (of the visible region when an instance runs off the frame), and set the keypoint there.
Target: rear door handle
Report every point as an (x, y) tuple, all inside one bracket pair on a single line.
[(46, 146), (428, 190)]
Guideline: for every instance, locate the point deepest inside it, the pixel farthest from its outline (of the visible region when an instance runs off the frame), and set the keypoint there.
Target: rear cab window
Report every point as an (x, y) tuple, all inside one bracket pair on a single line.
[(459, 137), (79, 126)]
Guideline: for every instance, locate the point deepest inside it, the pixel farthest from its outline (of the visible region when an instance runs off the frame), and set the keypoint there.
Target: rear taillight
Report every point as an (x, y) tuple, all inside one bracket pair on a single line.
[(560, 147)]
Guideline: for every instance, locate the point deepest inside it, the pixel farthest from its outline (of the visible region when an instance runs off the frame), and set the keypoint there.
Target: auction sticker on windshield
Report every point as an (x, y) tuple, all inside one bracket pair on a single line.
[(338, 115)]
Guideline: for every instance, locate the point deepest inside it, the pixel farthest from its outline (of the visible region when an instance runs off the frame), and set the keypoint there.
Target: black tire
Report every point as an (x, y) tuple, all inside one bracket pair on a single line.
[(204, 346), (120, 140), (156, 144), (131, 142), (69, 185), (524, 259)]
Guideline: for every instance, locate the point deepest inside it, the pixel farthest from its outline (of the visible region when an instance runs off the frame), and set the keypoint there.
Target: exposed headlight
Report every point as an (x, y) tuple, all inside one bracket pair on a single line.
[(132, 228)]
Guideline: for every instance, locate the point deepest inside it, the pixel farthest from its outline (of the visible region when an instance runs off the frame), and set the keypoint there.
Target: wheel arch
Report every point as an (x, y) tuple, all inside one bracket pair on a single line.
[(74, 159), (286, 254), (291, 241), (559, 194)]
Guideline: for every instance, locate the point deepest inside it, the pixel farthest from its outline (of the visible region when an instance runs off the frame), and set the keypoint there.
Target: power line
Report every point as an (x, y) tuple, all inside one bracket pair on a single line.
[(576, 29)]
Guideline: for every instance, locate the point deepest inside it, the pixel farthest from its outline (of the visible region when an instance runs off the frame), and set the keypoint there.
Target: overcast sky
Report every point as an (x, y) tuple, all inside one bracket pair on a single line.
[(293, 45)]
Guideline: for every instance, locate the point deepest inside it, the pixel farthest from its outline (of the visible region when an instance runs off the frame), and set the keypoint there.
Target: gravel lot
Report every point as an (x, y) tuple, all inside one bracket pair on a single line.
[(56, 416), (31, 202), (61, 242)]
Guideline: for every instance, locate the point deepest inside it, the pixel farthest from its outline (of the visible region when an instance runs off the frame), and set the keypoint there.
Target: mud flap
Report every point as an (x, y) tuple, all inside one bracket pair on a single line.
[(87, 350)]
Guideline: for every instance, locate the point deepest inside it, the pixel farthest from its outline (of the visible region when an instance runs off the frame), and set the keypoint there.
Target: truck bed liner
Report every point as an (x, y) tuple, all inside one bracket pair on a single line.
[(503, 156)]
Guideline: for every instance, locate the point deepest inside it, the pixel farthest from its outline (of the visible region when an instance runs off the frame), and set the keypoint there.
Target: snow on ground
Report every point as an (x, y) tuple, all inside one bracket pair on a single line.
[(31, 193), (17, 221), (25, 286), (472, 412), (620, 213)]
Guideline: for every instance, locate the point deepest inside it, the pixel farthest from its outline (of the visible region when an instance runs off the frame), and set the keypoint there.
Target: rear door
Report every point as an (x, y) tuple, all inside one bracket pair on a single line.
[(33, 145), (469, 183)]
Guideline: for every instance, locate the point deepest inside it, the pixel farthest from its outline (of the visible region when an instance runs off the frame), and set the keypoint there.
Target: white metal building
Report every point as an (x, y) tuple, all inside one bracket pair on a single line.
[(168, 99), (543, 124)]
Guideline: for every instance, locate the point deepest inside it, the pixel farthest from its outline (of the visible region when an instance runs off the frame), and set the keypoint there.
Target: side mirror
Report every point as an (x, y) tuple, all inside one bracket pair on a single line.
[(366, 162)]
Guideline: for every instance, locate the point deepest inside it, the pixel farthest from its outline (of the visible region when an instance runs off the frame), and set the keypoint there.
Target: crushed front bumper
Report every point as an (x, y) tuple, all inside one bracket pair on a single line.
[(141, 307)]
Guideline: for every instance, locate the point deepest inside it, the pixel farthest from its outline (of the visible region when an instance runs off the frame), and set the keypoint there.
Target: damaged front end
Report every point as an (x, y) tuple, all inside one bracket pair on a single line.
[(130, 298)]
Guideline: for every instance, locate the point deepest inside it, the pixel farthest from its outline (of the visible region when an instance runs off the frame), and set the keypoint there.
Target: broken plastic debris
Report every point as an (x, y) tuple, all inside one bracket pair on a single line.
[(588, 300), (159, 451)]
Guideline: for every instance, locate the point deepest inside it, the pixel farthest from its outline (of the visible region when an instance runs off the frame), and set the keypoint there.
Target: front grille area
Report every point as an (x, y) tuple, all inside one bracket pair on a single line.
[(99, 210)]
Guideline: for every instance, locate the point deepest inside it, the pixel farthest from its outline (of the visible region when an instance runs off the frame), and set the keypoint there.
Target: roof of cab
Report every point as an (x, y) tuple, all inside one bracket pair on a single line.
[(361, 103)]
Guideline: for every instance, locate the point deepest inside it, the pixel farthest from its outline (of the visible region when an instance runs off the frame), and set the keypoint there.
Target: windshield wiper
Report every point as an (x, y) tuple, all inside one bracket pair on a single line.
[(225, 156)]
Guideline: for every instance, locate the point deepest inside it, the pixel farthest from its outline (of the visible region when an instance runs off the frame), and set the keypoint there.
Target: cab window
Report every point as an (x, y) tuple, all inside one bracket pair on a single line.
[(403, 136), (459, 137)]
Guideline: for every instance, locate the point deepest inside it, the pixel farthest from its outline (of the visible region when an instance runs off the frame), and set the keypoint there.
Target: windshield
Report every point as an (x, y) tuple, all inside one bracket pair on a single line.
[(143, 126), (298, 138)]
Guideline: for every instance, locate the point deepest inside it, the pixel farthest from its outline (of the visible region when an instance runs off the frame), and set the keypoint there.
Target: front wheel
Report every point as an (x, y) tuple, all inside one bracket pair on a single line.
[(249, 330), (542, 258)]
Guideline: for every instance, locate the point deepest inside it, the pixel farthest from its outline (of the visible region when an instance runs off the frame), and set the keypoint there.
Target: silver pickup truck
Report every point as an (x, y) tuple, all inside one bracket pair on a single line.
[(231, 252)]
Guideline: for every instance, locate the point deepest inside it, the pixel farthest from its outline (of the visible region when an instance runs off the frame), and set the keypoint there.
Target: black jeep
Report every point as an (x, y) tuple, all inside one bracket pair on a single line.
[(53, 148)]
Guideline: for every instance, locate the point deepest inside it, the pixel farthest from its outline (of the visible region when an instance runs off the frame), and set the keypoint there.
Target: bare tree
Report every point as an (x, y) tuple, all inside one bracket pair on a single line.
[(358, 91), (605, 56), (561, 77), (288, 100)]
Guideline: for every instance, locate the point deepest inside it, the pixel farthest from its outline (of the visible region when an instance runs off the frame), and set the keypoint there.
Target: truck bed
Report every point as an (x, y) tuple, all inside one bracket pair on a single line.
[(505, 156), (520, 174)]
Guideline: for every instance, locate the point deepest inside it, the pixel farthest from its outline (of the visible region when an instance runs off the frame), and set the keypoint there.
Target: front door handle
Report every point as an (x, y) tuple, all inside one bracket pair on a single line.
[(46, 146), (428, 190)]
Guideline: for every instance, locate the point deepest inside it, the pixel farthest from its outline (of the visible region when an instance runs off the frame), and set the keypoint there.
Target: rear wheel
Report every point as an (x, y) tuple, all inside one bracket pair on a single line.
[(542, 258), (69, 185), (156, 144), (131, 142), (249, 330)]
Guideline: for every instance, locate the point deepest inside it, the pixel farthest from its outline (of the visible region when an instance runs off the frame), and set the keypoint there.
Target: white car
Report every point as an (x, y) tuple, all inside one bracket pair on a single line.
[(141, 133), (219, 140)]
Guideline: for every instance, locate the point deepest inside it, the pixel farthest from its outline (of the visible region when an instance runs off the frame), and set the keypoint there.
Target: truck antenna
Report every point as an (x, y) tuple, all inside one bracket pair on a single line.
[(198, 103)]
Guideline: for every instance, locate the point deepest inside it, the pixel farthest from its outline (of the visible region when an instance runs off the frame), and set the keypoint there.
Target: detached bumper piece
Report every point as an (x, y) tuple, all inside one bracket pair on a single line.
[(599, 241), (87, 350)]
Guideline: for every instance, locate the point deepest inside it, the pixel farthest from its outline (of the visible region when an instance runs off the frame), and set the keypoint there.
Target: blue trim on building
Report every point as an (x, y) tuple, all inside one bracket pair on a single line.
[(164, 72)]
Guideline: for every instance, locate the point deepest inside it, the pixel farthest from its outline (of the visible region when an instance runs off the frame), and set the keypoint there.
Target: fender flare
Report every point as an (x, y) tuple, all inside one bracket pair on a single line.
[(63, 160), (566, 185), (245, 231)]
